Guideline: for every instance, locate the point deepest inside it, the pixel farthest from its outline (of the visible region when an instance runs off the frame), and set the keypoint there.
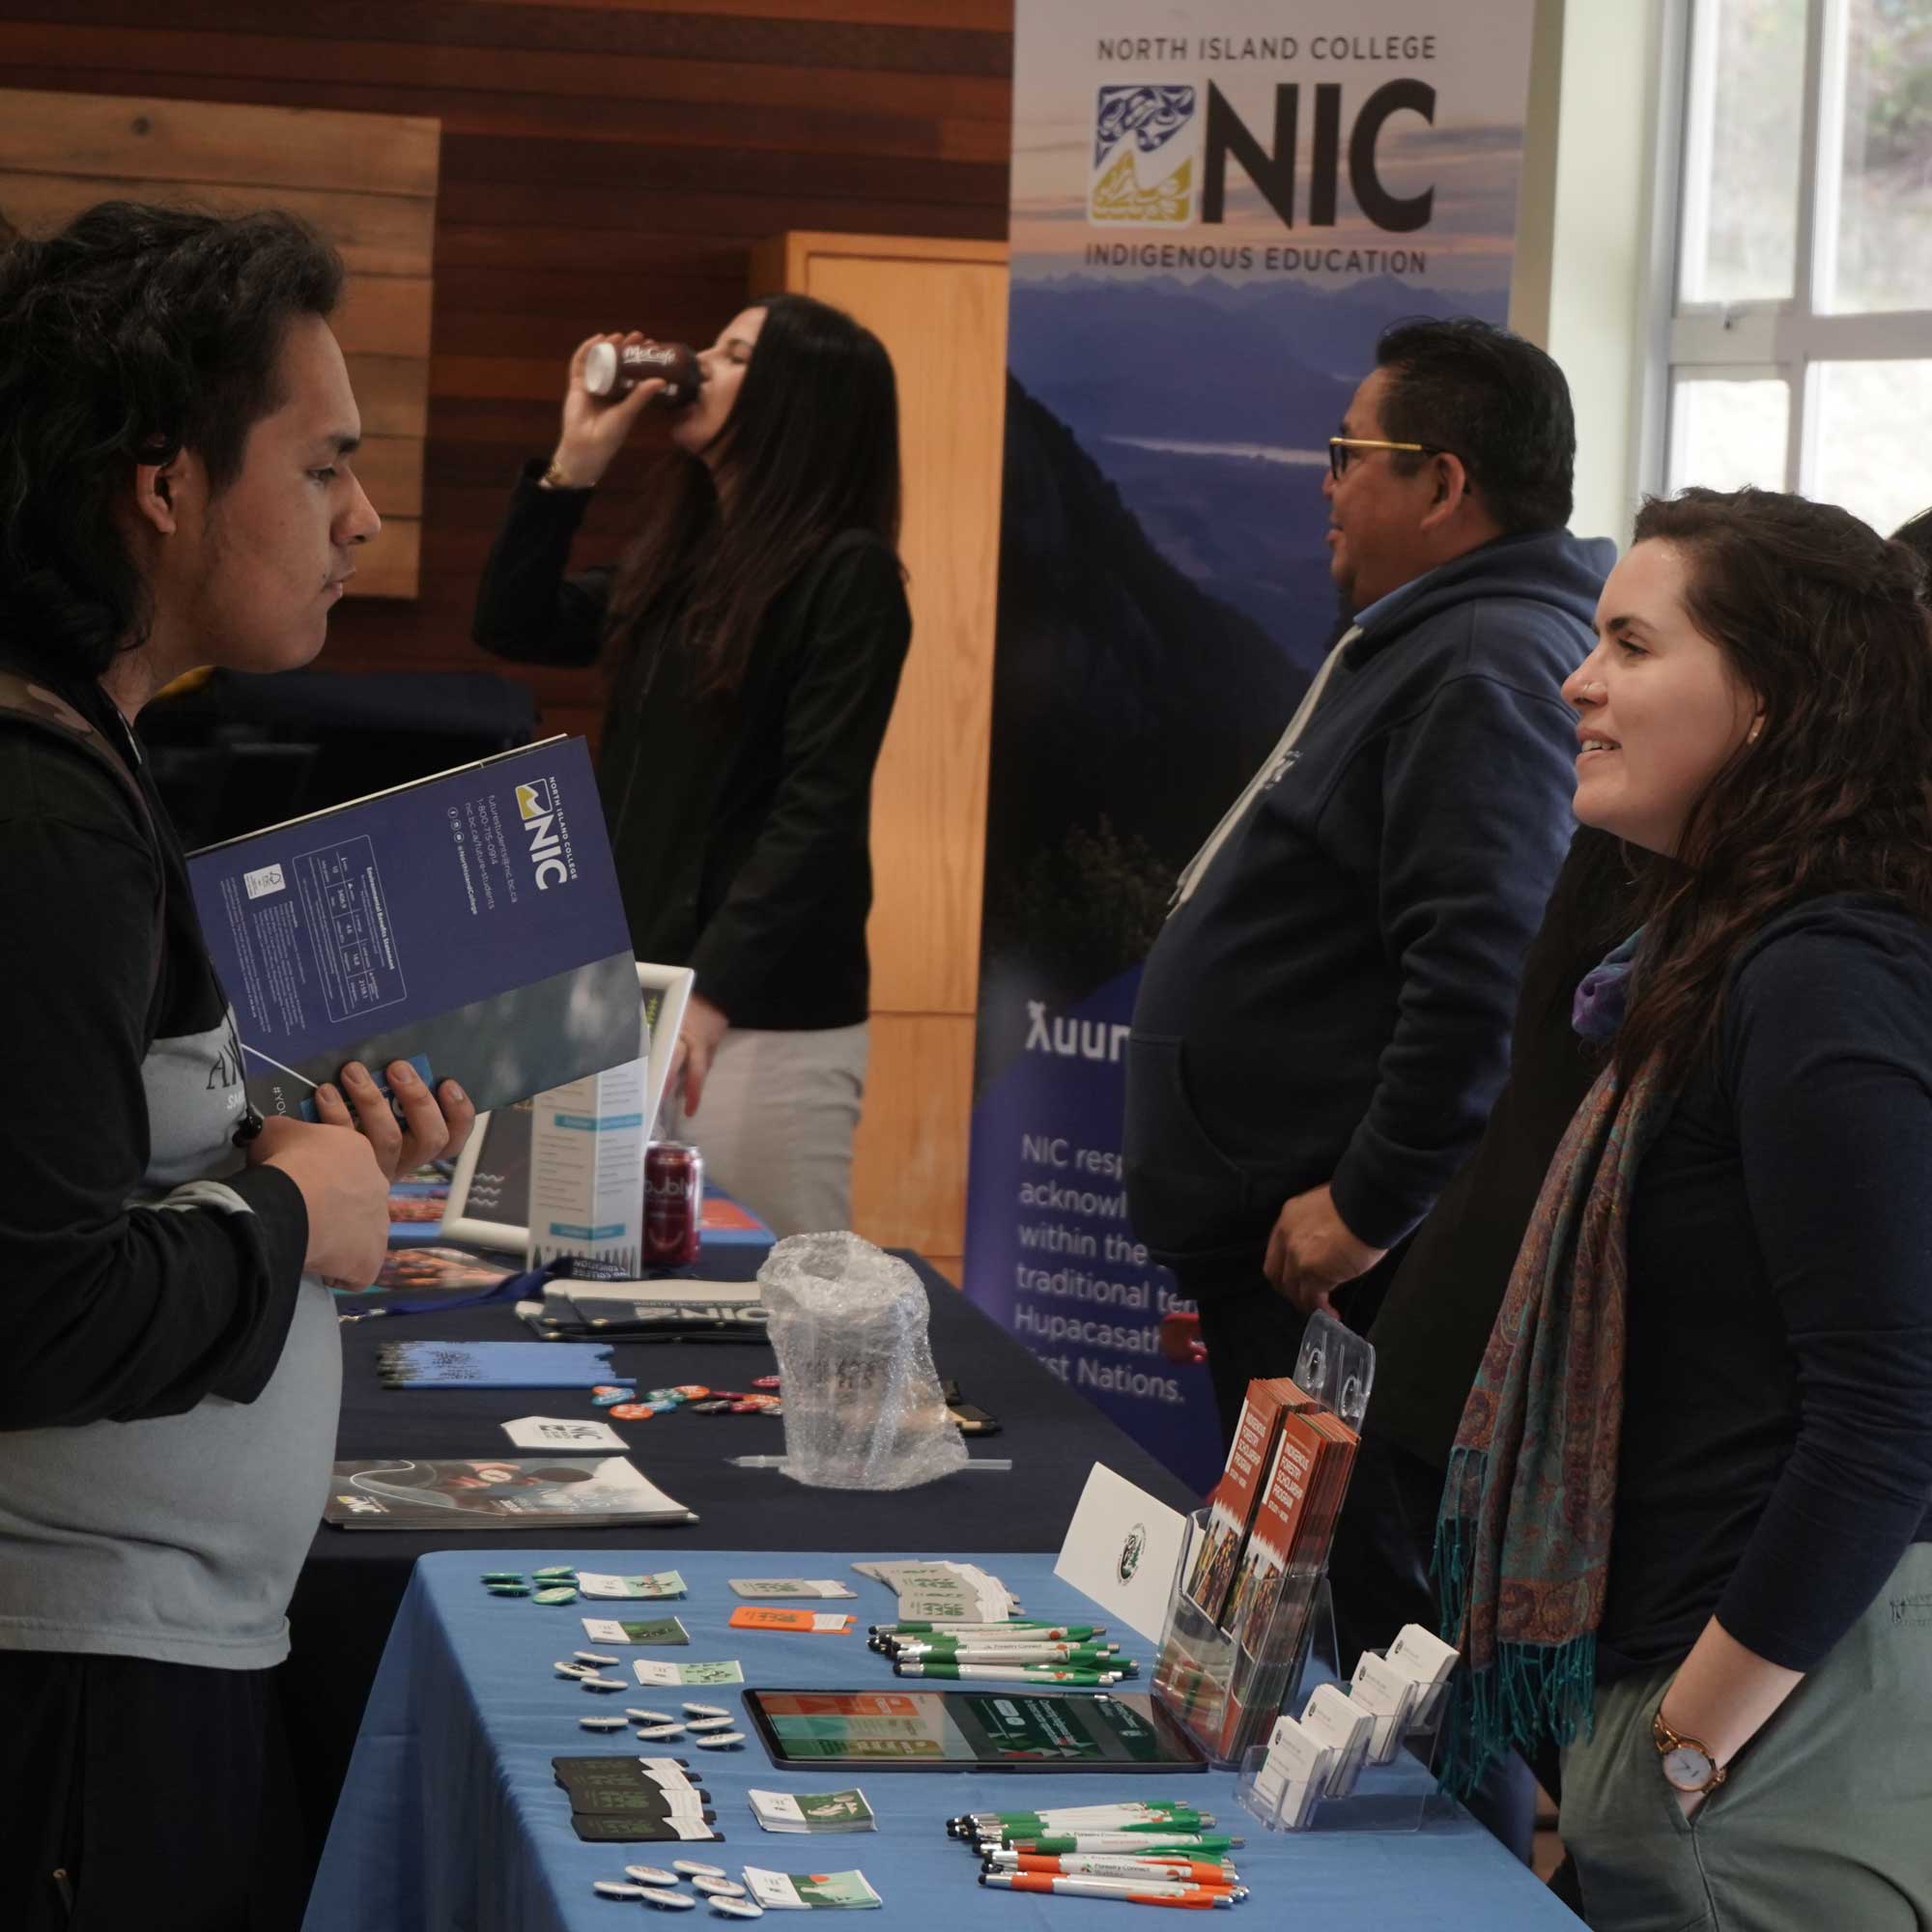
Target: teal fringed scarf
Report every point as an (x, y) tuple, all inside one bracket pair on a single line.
[(1523, 1545)]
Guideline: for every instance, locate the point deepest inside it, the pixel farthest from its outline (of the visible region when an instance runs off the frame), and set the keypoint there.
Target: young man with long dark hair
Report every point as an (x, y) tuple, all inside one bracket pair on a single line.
[(753, 637), (1688, 1526), (175, 490)]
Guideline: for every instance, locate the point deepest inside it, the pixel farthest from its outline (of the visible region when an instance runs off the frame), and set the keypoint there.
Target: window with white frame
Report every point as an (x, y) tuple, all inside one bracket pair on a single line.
[(1800, 342)]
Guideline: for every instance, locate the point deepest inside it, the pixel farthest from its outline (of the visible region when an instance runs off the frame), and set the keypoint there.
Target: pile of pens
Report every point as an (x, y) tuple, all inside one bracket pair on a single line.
[(1019, 1652), (1155, 1852)]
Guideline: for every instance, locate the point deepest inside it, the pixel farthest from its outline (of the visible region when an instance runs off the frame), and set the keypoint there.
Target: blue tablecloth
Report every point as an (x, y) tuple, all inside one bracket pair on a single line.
[(451, 1817)]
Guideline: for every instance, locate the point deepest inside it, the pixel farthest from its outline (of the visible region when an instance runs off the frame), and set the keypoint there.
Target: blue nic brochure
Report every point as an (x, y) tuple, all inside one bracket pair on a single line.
[(469, 923)]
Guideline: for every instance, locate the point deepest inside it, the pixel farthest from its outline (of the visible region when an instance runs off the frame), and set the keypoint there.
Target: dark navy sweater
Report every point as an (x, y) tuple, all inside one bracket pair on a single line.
[(1333, 1003), (1777, 1448)]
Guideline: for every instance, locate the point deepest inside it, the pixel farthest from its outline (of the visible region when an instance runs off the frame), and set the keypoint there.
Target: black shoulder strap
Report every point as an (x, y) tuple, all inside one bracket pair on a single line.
[(34, 704)]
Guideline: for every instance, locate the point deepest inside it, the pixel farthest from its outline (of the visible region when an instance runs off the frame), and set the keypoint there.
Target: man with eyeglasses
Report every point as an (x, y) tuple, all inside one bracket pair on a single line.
[(1325, 1021)]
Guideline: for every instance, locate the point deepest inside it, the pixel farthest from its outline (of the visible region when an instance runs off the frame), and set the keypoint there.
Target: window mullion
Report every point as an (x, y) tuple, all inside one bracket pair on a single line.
[(1819, 15)]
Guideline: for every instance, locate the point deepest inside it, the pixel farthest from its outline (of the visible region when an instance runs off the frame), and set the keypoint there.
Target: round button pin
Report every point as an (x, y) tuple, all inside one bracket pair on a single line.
[(631, 1412), (717, 1888), (555, 1593), (691, 1710), (661, 1734), (639, 1716), (667, 1902), (602, 1723), (709, 1723), (615, 1888), (737, 1908), (697, 1868), (650, 1875), (720, 1741)]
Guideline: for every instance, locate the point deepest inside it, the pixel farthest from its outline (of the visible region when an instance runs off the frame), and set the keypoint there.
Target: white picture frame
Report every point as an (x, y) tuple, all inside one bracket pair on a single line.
[(665, 991)]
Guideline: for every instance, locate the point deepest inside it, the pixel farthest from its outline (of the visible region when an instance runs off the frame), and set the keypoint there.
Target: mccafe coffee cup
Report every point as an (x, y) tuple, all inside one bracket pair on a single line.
[(610, 372)]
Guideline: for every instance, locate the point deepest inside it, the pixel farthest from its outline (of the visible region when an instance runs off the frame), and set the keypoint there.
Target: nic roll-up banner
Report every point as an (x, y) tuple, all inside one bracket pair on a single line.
[(1216, 209)]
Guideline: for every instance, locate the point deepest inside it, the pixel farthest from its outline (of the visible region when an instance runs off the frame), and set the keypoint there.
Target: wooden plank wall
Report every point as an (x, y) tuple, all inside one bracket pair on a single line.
[(611, 164), (605, 164), (366, 180)]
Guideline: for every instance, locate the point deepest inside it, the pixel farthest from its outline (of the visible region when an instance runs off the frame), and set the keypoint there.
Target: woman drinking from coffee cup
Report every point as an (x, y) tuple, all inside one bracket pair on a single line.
[(752, 638)]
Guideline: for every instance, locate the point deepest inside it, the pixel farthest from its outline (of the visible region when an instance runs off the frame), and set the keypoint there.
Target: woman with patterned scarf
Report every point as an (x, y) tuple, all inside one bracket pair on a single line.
[(1688, 1526)]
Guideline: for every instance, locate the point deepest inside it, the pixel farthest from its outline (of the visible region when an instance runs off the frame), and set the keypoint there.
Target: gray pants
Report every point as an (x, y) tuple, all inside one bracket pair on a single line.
[(1824, 1820), (776, 1124)]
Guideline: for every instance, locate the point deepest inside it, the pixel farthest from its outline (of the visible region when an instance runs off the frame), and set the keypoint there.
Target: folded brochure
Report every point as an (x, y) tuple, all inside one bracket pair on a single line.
[(469, 923), (494, 1493)]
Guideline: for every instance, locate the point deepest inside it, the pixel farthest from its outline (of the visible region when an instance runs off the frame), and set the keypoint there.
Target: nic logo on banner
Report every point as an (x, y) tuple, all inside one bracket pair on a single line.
[(1147, 154)]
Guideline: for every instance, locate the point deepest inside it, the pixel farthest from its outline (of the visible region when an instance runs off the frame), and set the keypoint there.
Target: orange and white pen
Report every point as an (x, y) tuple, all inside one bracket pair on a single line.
[(1099, 1864), (1132, 1891)]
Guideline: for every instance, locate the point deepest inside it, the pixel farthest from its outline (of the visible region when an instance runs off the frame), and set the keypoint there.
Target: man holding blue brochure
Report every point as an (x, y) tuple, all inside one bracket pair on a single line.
[(175, 424)]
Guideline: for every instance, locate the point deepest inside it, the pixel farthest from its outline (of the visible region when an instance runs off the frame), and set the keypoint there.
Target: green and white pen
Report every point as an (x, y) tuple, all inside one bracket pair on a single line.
[(1017, 1627), (1009, 1673), (1195, 1843), (1096, 1655), (1169, 1813)]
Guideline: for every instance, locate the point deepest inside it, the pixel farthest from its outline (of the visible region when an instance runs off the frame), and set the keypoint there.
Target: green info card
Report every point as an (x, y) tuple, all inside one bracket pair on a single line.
[(1018, 1730), (632, 1629)]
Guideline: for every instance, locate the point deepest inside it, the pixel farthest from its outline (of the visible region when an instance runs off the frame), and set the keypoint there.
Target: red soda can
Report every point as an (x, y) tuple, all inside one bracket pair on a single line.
[(673, 1198)]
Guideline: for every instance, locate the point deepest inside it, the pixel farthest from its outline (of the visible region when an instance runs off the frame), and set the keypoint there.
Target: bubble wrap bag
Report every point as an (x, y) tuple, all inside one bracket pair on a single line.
[(863, 1409)]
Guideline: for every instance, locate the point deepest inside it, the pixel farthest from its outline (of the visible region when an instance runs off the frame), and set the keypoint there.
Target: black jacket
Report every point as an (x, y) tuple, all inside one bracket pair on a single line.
[(739, 826), (1775, 1456), (1333, 1003), (115, 1313)]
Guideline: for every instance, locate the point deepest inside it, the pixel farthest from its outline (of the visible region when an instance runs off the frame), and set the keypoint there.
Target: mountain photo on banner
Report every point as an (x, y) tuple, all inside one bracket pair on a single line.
[(1164, 593)]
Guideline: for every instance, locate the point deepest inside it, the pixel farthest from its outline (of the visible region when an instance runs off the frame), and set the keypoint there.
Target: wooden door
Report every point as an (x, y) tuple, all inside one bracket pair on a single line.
[(940, 308)]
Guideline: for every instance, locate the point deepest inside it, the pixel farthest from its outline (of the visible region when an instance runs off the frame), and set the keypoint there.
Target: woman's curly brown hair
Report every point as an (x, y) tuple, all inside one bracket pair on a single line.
[(1823, 620)]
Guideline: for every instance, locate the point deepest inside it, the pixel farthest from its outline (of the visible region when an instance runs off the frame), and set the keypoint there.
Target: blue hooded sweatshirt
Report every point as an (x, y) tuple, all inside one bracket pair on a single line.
[(1333, 1003)]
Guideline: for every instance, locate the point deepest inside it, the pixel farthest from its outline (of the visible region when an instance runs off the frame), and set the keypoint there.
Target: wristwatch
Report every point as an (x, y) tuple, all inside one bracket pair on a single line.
[(1688, 1764)]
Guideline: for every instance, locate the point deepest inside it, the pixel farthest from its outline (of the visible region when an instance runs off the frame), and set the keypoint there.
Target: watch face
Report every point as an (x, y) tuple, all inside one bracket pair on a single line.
[(1687, 1768)]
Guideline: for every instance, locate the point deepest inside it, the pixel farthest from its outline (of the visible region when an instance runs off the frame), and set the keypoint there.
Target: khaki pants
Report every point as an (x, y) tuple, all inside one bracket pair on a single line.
[(1823, 1822), (776, 1124)]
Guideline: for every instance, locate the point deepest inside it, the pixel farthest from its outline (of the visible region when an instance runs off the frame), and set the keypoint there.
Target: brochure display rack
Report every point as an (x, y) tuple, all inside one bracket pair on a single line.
[(1251, 1589)]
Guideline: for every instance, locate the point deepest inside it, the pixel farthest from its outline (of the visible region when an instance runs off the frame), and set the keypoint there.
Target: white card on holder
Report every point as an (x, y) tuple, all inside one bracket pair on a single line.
[(1424, 1656), (1333, 1719), (1121, 1550), (1381, 1689), (1297, 1766)]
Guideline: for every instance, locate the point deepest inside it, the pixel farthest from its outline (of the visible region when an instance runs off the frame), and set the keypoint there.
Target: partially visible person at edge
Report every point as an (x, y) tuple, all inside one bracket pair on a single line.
[(1322, 1023), (1686, 1527), (1436, 1321), (176, 427), (753, 637)]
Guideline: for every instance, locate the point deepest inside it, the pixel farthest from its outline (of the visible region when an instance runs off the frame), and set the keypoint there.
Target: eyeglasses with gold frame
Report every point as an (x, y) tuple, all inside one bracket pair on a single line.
[(1342, 447)]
